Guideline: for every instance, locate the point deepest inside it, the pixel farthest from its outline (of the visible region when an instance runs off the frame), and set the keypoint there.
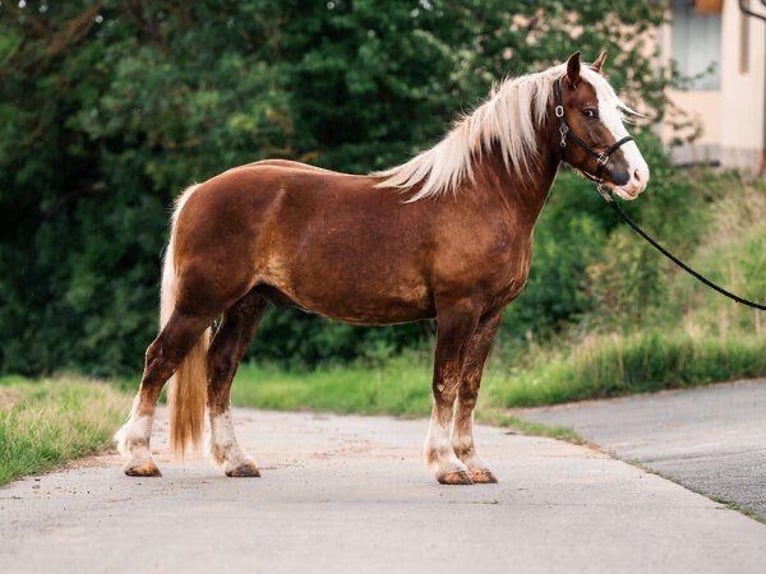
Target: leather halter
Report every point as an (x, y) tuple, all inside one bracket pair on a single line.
[(602, 158)]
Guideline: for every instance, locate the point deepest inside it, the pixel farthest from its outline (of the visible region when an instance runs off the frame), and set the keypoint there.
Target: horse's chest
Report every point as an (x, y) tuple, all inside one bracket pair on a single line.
[(493, 266), (511, 274)]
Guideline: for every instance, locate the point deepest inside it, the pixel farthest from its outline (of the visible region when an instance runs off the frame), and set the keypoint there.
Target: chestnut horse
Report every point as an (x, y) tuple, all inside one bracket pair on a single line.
[(446, 235)]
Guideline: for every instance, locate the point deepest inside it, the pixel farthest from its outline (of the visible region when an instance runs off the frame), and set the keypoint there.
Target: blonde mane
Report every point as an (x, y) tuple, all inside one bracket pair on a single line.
[(508, 118)]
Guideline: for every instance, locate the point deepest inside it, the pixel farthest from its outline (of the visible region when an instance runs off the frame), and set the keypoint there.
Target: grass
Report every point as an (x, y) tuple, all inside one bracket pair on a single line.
[(737, 507), (401, 386), (598, 367), (46, 423), (615, 365)]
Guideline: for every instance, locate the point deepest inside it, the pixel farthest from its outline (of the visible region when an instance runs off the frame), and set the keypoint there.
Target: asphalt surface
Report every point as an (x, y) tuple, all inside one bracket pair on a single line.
[(709, 439), (351, 494)]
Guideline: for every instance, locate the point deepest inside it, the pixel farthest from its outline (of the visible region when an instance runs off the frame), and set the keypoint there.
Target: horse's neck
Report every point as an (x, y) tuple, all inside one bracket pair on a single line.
[(521, 194)]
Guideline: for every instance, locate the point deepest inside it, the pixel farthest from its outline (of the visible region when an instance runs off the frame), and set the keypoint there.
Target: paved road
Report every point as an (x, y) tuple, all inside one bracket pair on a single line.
[(350, 494), (710, 439)]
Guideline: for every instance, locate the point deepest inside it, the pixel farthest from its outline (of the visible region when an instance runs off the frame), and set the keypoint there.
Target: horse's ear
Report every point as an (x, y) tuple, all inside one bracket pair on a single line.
[(596, 66), (573, 69)]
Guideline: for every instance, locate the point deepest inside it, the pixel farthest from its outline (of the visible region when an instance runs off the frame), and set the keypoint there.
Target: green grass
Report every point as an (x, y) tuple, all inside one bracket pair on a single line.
[(598, 367), (401, 386), (46, 423), (609, 366)]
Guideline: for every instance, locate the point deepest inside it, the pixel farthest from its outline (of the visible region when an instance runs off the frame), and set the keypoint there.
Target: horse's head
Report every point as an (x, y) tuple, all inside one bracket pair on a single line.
[(591, 134)]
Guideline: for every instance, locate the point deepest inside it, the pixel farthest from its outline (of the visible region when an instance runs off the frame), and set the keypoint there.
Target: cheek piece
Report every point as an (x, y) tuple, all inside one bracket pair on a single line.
[(602, 158)]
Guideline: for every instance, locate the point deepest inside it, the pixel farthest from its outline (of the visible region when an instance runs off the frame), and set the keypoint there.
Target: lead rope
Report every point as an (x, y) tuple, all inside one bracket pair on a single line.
[(633, 225)]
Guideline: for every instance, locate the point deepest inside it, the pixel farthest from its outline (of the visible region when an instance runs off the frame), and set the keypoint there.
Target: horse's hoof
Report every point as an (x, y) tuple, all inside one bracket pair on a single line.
[(455, 477), (246, 469), (484, 476), (146, 469)]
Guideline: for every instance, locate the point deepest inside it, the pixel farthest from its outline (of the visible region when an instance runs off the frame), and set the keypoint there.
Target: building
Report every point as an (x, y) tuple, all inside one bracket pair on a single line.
[(721, 45)]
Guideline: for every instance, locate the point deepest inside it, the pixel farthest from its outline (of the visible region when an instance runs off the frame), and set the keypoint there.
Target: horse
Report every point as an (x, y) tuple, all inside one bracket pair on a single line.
[(445, 236)]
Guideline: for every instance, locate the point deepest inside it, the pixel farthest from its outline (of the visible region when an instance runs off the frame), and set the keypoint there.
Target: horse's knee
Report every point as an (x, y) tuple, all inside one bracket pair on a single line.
[(445, 391)]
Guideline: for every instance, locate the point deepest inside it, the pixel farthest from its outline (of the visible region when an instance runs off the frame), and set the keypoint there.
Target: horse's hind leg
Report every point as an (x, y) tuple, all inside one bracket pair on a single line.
[(163, 355), (462, 431), (226, 351)]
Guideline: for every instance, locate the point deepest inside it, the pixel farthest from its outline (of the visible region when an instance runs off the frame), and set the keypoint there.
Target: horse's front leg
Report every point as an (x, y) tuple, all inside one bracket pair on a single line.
[(462, 431), (455, 327)]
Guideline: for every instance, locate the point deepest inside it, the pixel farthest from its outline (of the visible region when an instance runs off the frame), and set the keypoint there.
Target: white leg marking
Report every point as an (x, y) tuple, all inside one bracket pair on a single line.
[(440, 456), (223, 446), (133, 439), (463, 442)]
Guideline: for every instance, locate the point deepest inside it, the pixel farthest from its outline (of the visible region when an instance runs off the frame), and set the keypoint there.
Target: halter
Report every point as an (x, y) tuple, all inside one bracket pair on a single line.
[(602, 158)]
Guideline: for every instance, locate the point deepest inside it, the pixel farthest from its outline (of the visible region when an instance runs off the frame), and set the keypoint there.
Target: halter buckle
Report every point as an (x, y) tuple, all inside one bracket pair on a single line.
[(563, 130), (604, 192), (559, 111), (602, 159)]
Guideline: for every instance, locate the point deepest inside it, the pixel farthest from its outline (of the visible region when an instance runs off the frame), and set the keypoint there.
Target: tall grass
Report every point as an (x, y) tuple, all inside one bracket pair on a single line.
[(598, 367), (614, 365), (399, 386), (45, 423), (681, 335), (733, 253)]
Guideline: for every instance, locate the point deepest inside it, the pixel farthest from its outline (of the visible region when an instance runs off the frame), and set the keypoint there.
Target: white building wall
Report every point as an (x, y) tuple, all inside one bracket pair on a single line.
[(733, 118), (743, 103)]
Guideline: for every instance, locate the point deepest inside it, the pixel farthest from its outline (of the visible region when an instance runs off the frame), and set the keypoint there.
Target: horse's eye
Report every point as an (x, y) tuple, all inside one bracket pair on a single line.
[(590, 112)]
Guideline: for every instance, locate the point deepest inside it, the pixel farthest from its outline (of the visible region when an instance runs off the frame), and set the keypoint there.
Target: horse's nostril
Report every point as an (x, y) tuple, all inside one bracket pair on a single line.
[(636, 175)]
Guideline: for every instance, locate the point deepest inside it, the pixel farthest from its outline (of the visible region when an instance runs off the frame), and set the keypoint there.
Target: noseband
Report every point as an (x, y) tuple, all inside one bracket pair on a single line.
[(602, 158)]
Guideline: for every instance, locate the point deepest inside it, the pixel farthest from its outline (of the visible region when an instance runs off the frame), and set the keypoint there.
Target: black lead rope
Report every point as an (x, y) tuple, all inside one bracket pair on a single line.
[(602, 158), (634, 226)]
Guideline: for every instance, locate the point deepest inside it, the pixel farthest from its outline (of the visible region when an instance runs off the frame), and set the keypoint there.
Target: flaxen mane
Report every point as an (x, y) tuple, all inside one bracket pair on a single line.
[(509, 117)]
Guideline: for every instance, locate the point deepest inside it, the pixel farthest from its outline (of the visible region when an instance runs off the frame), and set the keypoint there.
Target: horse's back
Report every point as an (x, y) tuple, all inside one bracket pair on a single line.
[(293, 165), (332, 243)]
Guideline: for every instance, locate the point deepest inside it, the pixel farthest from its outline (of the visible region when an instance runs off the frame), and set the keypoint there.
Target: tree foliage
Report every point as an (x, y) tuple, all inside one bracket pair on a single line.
[(109, 109)]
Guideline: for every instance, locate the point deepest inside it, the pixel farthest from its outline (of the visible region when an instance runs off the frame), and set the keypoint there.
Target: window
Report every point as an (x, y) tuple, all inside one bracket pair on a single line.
[(696, 44)]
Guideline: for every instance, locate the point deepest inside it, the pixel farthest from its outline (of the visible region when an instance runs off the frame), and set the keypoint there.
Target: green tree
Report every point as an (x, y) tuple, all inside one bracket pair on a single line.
[(109, 109)]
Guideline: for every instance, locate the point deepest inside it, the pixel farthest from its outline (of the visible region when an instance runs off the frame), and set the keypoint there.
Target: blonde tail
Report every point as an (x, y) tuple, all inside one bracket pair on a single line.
[(187, 389)]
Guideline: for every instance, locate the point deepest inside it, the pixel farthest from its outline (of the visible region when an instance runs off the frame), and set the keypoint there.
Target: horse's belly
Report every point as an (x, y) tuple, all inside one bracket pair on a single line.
[(367, 308), (374, 312), (353, 297)]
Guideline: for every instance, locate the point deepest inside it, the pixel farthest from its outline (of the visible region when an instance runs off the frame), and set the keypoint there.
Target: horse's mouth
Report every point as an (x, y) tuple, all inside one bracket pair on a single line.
[(628, 193)]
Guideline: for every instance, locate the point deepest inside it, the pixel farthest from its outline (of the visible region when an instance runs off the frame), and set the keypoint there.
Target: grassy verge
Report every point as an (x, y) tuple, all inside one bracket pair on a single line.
[(616, 365), (599, 367), (401, 387), (45, 423)]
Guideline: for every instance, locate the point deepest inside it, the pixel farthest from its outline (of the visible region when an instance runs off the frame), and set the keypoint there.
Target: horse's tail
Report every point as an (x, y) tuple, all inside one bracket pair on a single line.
[(187, 391)]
